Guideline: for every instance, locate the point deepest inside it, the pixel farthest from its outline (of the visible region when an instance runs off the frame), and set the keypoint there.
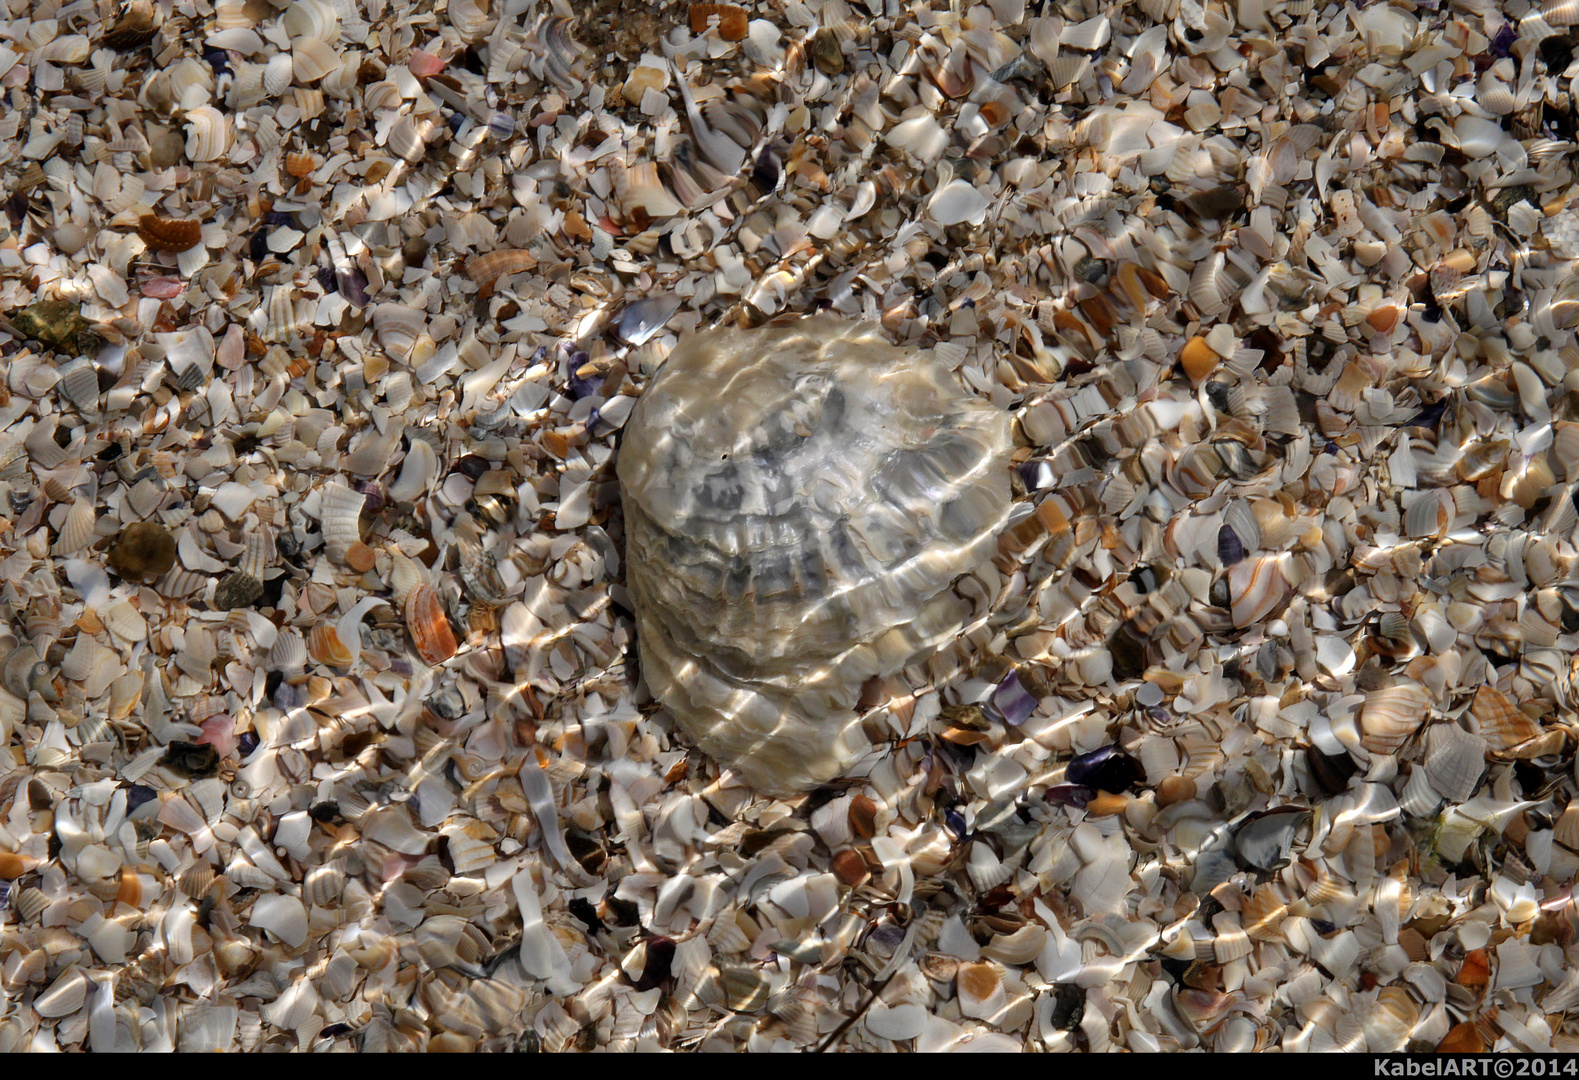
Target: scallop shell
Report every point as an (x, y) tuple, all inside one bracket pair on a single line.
[(79, 381), (1560, 12), (1389, 716), (1455, 761), (277, 74), (785, 549), (208, 134), (77, 530), (429, 625), (289, 652), (340, 513)]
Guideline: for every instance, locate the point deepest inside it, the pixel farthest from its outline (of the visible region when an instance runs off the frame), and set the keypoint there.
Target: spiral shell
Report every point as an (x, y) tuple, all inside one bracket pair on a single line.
[(799, 500)]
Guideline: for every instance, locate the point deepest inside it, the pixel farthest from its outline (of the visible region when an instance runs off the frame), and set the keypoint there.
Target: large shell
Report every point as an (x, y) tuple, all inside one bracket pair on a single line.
[(340, 514), (799, 500)]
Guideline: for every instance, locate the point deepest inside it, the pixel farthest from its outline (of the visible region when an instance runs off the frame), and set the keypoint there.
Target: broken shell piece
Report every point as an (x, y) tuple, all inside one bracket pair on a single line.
[(340, 512), (325, 645), (429, 625)]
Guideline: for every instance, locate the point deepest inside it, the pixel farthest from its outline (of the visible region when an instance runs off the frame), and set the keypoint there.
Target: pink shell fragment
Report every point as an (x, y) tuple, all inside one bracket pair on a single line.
[(422, 64)]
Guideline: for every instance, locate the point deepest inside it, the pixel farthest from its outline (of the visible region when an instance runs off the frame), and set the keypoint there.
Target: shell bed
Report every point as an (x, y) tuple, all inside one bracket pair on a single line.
[(357, 545)]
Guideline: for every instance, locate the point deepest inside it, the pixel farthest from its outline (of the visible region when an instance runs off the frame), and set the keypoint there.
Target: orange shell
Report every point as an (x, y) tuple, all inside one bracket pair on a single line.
[(299, 165), (325, 646), (169, 234), (429, 625), (731, 20)]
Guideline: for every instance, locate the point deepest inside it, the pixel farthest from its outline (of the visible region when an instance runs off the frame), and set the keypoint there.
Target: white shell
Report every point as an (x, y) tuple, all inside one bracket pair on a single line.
[(289, 652), (312, 19), (208, 134), (277, 74), (472, 19), (77, 531), (339, 513), (398, 328), (787, 548), (312, 59)]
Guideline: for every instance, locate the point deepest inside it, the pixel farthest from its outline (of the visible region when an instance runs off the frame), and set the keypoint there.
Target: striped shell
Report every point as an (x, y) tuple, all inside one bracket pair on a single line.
[(429, 625), (799, 501)]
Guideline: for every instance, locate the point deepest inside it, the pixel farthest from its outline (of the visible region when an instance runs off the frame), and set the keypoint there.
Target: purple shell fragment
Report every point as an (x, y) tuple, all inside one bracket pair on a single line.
[(1012, 701), (1075, 795), (1106, 769)]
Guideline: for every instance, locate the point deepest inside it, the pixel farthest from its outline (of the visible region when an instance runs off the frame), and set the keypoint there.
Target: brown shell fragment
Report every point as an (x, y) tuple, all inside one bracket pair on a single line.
[(429, 625), (489, 268), (169, 234), (731, 20)]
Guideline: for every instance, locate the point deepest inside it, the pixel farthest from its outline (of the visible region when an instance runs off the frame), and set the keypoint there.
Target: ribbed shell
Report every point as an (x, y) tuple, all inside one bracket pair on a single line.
[(798, 501)]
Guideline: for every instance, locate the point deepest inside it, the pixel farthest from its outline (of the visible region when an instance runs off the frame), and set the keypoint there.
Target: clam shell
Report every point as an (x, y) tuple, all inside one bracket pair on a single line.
[(324, 884), (312, 19), (1391, 715), (1255, 588), (429, 625), (489, 268), (409, 137), (731, 599), (312, 59), (416, 472), (398, 328)]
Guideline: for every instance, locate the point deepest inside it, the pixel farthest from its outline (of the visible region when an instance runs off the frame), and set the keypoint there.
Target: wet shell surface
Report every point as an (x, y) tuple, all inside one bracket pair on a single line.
[(799, 501), (351, 702)]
